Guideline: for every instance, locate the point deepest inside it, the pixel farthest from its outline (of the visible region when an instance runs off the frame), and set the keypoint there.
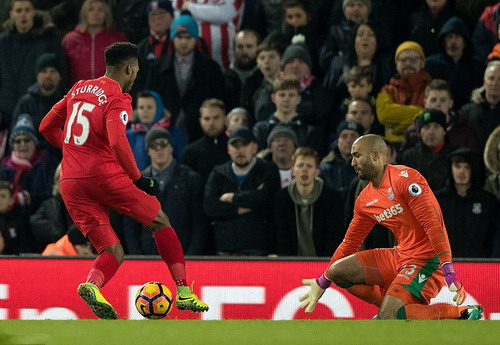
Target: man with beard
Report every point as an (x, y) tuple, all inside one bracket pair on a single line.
[(401, 101), (211, 149), (400, 280), (238, 199), (42, 95), (455, 61), (244, 64), (245, 53)]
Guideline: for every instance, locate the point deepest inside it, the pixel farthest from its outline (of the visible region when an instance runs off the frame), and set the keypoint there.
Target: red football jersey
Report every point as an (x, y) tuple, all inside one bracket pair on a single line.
[(405, 204), (87, 107)]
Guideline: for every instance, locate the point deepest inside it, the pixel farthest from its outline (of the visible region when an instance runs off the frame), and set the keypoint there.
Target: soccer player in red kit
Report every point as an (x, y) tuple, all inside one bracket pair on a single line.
[(400, 280), (99, 171)]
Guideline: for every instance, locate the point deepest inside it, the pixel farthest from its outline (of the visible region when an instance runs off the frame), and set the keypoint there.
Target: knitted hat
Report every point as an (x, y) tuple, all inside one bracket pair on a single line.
[(47, 60), (242, 134), (24, 125), (431, 115), (282, 130), (352, 125), (409, 45), (367, 3), (160, 4), (156, 133), (296, 51), (184, 24)]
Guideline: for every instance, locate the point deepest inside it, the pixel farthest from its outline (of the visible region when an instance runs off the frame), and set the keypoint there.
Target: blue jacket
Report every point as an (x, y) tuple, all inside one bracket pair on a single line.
[(136, 135)]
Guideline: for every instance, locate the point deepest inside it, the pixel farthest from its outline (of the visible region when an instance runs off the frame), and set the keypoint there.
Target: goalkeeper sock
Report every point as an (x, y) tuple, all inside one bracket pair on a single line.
[(103, 269), (368, 293), (170, 250), (429, 312)]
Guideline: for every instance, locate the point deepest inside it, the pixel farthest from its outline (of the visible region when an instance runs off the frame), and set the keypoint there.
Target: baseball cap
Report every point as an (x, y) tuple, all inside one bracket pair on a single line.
[(160, 4), (241, 134)]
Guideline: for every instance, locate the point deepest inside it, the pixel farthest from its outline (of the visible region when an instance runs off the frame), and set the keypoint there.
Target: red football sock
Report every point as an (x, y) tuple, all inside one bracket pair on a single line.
[(432, 312), (103, 269), (170, 250)]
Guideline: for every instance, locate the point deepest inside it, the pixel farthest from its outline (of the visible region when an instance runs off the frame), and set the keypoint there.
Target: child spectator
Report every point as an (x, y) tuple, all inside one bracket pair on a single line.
[(150, 113), (286, 97), (359, 83), (297, 21), (237, 118), (14, 227), (259, 86)]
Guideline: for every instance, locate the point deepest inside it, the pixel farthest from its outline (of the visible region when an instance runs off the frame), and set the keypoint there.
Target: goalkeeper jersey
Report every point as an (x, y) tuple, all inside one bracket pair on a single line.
[(405, 204)]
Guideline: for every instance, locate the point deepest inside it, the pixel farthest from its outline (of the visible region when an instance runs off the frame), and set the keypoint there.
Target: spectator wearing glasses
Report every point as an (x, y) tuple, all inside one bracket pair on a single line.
[(29, 169), (180, 194), (402, 100)]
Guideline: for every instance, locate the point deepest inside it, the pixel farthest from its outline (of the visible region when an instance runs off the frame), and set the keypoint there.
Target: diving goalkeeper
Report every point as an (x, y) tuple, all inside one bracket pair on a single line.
[(402, 280)]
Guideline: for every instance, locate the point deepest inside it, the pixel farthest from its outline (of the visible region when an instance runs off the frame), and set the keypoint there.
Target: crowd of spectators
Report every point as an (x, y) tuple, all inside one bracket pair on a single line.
[(245, 111)]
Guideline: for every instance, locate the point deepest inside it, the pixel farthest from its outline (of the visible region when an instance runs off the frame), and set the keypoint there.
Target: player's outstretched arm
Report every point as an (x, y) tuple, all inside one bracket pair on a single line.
[(453, 282), (311, 298)]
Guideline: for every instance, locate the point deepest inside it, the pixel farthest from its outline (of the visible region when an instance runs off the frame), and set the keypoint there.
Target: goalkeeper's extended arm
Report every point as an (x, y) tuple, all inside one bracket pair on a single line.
[(311, 298)]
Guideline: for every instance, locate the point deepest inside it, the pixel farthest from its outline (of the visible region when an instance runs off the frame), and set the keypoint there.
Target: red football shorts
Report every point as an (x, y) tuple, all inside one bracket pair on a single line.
[(410, 280), (88, 199)]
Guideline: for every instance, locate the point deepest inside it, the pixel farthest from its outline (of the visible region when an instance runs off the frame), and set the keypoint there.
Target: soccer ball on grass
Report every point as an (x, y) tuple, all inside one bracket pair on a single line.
[(153, 300)]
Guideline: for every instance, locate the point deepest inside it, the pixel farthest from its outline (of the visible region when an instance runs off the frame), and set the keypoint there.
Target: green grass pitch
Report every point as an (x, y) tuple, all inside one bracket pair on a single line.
[(249, 332)]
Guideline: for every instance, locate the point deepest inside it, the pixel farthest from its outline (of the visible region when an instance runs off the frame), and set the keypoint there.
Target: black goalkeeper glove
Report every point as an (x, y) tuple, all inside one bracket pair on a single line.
[(148, 184)]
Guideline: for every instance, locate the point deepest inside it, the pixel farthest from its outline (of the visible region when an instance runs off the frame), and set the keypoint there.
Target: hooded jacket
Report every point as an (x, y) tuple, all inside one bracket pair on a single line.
[(472, 221), (464, 75)]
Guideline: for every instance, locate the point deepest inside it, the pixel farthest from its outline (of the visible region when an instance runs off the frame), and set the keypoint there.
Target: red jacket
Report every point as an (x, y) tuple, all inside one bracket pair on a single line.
[(85, 53)]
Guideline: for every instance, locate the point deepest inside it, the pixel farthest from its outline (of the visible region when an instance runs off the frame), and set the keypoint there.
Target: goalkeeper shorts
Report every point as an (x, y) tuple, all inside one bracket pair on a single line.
[(411, 280)]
